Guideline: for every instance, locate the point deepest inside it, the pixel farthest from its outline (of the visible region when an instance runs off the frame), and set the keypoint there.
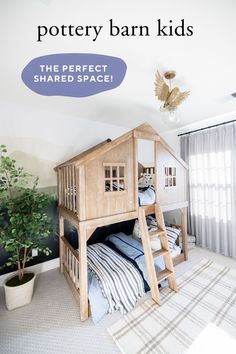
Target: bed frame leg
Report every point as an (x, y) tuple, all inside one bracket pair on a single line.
[(184, 232), (83, 277), (61, 233)]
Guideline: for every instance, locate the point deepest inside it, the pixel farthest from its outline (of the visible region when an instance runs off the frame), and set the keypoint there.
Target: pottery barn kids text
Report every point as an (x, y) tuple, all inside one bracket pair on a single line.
[(171, 28)]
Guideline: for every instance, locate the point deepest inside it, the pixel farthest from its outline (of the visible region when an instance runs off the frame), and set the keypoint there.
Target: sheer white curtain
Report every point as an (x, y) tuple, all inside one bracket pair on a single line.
[(211, 155)]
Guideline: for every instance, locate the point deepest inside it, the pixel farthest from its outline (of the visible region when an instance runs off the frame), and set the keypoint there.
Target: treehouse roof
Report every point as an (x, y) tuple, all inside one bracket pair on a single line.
[(144, 131)]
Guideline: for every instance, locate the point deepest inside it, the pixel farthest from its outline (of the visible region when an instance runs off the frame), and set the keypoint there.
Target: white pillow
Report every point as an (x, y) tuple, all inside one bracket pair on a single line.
[(137, 231), (172, 233), (155, 241), (147, 197), (151, 223)]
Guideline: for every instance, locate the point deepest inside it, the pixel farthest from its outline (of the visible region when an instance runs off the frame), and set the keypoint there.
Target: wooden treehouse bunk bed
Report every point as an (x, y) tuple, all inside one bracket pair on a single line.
[(99, 187)]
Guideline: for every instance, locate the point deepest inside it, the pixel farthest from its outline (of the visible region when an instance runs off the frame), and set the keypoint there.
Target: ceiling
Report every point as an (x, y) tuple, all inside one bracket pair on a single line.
[(205, 62)]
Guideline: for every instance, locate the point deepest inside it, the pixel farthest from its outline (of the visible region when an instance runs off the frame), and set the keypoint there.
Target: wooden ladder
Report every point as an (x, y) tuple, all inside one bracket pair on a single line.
[(150, 256)]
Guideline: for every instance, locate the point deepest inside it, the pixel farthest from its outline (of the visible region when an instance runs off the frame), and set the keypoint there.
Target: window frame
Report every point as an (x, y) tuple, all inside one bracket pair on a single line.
[(170, 176), (114, 166)]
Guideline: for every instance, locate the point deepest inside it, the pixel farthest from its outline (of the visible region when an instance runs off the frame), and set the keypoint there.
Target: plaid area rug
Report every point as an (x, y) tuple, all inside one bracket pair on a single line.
[(206, 294)]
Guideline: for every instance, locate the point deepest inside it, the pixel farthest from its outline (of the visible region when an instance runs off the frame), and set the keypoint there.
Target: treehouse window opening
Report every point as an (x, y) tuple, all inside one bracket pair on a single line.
[(114, 177), (170, 177)]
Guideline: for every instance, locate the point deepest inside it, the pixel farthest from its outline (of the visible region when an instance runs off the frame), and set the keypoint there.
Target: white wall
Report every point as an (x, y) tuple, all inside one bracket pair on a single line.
[(41, 139), (146, 152)]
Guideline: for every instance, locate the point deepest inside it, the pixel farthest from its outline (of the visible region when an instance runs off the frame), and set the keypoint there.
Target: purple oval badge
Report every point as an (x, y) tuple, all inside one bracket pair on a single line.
[(73, 75)]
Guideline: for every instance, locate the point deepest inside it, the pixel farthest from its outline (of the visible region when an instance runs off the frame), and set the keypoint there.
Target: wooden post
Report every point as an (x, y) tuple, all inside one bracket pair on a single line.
[(135, 174), (83, 276), (59, 186), (184, 232), (61, 233), (148, 256), (164, 244), (80, 193), (74, 188), (69, 188), (155, 166), (61, 176), (64, 186)]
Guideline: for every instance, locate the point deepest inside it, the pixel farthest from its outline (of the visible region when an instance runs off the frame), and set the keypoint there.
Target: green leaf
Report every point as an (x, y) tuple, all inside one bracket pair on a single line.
[(24, 222)]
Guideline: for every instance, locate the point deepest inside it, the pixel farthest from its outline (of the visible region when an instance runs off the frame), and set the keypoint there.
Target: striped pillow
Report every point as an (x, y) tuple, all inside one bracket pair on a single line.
[(172, 235)]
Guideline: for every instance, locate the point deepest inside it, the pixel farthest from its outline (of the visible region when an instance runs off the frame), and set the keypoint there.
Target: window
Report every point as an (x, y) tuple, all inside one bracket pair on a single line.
[(170, 177), (114, 175), (211, 185), (149, 170)]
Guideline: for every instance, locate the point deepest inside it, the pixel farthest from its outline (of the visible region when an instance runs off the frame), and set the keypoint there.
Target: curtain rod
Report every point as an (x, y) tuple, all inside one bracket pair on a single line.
[(211, 126)]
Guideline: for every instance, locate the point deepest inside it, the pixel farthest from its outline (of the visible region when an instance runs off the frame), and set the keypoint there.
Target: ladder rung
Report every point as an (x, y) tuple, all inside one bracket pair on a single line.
[(163, 274), (159, 253), (147, 237), (156, 233)]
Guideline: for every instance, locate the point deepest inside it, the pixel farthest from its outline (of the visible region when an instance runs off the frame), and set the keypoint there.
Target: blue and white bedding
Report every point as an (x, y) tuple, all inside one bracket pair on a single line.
[(132, 251), (121, 283), (172, 236)]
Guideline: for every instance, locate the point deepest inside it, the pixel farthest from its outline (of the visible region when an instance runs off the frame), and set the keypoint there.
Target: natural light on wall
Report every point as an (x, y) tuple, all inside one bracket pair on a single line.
[(210, 182)]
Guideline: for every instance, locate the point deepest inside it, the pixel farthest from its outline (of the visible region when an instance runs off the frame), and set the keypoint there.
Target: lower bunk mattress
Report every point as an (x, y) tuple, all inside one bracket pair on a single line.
[(117, 275)]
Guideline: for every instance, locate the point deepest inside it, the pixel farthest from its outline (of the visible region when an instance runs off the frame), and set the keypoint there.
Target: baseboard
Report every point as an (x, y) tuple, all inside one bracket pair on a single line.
[(37, 269)]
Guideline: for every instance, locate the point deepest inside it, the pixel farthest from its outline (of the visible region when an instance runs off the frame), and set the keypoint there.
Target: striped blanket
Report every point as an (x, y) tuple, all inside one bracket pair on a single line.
[(120, 281)]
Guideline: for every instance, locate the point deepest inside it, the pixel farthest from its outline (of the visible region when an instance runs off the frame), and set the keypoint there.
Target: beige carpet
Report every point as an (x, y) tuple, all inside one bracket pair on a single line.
[(51, 324), (207, 294)]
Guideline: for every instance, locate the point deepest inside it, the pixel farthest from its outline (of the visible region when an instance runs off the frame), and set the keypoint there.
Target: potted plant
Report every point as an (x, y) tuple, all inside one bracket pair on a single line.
[(24, 225)]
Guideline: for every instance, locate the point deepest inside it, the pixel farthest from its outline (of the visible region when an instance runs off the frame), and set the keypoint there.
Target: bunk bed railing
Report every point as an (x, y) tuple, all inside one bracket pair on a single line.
[(68, 187), (70, 260)]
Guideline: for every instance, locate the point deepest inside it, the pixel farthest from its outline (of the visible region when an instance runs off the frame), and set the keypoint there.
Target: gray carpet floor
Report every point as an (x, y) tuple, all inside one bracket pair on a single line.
[(51, 324)]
